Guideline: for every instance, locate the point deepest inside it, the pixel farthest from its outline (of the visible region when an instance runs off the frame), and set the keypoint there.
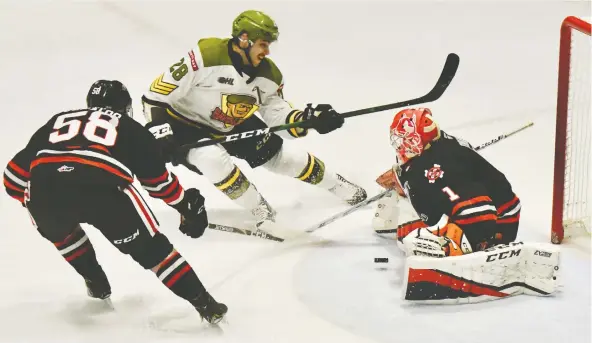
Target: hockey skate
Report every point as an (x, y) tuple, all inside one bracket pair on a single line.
[(265, 222), (264, 216), (209, 309), (347, 191), (98, 288)]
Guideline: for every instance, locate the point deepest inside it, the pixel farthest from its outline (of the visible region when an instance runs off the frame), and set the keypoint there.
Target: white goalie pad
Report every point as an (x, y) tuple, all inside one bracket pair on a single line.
[(496, 273), (386, 216)]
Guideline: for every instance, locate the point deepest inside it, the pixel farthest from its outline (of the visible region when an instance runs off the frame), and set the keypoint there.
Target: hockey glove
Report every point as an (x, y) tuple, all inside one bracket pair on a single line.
[(194, 218), (390, 180), (323, 118), (168, 144)]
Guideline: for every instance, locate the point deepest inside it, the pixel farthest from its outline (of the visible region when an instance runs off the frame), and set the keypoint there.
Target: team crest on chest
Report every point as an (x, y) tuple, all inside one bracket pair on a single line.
[(235, 109), (434, 173)]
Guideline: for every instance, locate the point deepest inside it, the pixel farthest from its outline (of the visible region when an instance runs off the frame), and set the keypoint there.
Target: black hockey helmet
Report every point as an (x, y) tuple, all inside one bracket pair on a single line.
[(111, 95)]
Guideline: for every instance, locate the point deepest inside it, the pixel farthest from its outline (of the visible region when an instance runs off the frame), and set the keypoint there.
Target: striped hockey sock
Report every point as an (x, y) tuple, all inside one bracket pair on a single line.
[(176, 273), (78, 251)]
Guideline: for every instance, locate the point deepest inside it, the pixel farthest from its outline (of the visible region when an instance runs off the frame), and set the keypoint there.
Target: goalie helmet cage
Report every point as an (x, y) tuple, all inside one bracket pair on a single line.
[(572, 184)]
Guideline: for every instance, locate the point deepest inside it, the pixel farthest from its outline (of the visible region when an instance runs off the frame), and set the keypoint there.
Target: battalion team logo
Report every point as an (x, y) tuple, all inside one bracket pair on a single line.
[(434, 173), (236, 108)]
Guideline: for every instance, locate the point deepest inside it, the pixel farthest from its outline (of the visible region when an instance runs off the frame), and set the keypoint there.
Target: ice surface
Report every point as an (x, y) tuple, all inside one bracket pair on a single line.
[(349, 54)]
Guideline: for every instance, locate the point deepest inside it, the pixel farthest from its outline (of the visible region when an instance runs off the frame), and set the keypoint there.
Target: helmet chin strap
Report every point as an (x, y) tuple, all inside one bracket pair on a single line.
[(247, 50)]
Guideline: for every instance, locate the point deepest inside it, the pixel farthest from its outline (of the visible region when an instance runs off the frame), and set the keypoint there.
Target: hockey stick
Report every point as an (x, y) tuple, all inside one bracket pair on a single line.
[(383, 194), (448, 73), (352, 209), (245, 232)]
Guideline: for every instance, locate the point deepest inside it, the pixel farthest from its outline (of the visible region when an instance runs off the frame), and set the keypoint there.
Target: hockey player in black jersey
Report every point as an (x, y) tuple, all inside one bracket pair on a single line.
[(465, 203), (79, 168)]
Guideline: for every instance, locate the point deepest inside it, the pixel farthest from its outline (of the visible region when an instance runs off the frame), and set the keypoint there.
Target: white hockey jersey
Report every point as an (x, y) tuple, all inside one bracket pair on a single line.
[(204, 88)]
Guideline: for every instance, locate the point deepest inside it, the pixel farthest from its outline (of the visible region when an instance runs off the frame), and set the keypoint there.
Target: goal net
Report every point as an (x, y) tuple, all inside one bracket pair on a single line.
[(572, 184)]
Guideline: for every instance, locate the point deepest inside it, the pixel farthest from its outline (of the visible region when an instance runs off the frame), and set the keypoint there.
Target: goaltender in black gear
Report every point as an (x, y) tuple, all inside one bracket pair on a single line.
[(79, 168)]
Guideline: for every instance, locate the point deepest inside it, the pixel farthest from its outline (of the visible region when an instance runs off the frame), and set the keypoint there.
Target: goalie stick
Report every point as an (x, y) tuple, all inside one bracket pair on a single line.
[(354, 208), (383, 194), (446, 76)]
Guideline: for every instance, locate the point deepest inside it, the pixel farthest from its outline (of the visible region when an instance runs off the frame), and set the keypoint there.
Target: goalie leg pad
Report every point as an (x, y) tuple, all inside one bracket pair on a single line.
[(386, 215), (495, 273)]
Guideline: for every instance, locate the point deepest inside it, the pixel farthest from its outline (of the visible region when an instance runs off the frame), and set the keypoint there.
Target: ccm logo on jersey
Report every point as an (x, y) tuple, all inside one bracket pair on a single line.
[(161, 131), (434, 173), (247, 134)]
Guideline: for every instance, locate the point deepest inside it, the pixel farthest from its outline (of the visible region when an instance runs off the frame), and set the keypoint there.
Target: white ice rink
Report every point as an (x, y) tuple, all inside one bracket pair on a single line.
[(350, 54)]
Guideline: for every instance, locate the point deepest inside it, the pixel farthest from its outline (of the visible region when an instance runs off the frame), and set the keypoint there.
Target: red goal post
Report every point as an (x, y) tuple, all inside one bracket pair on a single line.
[(572, 180)]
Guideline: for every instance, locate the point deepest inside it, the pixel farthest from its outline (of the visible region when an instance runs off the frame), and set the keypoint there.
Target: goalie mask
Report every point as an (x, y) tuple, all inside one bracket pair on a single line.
[(411, 132), (111, 95)]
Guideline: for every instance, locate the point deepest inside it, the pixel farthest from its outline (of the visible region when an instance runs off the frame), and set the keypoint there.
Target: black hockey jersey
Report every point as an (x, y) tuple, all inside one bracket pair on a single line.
[(93, 146), (450, 178)]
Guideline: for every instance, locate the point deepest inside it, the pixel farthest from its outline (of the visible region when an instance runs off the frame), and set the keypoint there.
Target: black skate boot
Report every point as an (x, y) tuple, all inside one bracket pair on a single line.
[(209, 309), (99, 287)]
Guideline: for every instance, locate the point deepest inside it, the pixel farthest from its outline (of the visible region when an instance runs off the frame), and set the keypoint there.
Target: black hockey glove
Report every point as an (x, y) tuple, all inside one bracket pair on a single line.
[(194, 218), (167, 142), (323, 118)]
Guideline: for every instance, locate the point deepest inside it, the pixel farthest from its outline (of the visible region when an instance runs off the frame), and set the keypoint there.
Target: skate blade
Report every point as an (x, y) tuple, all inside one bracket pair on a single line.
[(108, 303)]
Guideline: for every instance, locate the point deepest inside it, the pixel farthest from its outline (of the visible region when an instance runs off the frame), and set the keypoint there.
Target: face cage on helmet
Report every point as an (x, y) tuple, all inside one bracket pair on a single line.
[(404, 150)]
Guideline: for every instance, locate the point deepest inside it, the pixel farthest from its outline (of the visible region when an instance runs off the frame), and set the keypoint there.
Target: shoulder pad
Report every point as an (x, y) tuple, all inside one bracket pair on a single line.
[(214, 51)]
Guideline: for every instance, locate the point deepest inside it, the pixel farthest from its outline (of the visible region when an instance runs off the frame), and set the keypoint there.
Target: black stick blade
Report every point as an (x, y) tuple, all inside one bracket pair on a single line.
[(448, 73)]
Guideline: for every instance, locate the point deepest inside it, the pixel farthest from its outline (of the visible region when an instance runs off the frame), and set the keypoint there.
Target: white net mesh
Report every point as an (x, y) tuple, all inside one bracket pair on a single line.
[(577, 208)]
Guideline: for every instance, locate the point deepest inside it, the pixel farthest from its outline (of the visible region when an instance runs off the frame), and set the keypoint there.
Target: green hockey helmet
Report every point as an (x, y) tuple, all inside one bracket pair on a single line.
[(257, 25)]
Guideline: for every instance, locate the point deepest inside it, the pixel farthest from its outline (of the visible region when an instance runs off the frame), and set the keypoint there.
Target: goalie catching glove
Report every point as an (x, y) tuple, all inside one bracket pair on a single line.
[(194, 218), (441, 240)]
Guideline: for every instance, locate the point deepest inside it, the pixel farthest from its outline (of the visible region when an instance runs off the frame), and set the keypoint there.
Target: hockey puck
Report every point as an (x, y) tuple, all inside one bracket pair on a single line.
[(381, 260)]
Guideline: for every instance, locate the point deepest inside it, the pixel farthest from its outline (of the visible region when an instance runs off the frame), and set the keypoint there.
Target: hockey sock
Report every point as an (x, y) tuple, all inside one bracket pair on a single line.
[(78, 251), (234, 185), (313, 172), (175, 273), (293, 162)]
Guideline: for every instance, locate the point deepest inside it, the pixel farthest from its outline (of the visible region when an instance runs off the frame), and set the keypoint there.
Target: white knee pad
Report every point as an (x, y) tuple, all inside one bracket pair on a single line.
[(386, 216)]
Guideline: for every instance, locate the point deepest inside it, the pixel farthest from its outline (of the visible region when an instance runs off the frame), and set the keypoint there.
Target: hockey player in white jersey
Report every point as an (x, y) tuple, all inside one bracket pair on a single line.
[(216, 89)]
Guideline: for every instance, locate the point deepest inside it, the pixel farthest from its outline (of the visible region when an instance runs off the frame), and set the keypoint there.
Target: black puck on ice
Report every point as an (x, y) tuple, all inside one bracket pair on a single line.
[(381, 260)]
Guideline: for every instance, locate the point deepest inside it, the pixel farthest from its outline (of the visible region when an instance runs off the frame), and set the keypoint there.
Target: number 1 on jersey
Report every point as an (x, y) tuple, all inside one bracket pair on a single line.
[(451, 195)]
